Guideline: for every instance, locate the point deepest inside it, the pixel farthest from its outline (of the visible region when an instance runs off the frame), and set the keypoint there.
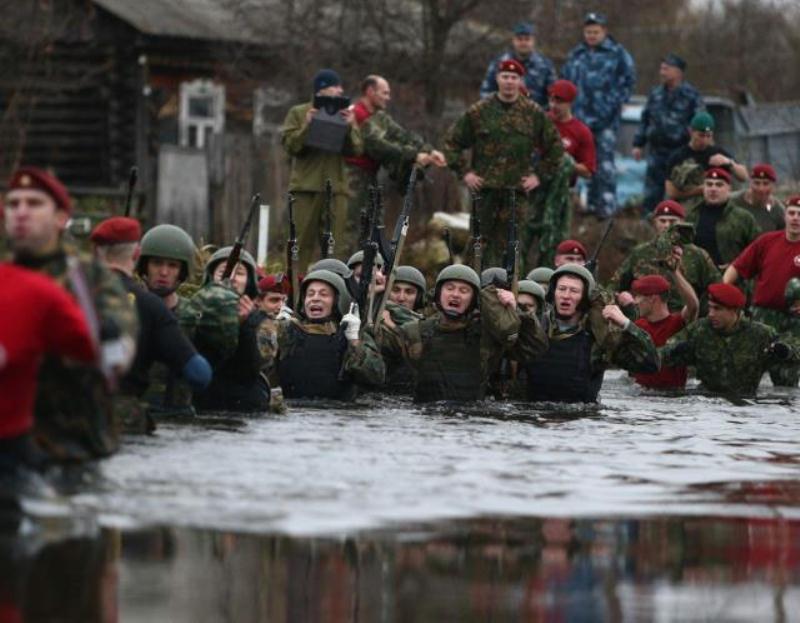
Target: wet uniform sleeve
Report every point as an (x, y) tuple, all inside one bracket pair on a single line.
[(170, 345), (679, 349), (500, 323), (634, 351), (532, 341), (364, 362)]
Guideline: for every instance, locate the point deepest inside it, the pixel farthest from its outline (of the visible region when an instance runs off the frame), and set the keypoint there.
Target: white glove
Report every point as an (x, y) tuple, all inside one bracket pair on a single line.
[(285, 313), (352, 323), (116, 356)]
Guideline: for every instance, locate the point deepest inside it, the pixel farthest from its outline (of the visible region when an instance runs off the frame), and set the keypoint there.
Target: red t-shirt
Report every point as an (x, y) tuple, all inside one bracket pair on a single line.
[(37, 316), (773, 260), (660, 332), (578, 141), (362, 113)]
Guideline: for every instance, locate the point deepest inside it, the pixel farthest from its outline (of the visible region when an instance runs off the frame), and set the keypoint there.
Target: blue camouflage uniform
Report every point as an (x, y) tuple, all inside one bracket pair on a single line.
[(664, 128), (539, 75), (605, 76)]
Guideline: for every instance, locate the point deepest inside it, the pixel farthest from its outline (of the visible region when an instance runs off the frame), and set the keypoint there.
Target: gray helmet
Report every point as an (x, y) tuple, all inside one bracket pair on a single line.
[(245, 258), (540, 275), (528, 286), (333, 265), (575, 270), (358, 258), (458, 272), (494, 276), (170, 242), (792, 291), (409, 274), (342, 302)]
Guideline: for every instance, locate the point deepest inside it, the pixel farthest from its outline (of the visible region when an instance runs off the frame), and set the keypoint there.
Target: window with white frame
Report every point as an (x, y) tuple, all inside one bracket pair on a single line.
[(202, 112)]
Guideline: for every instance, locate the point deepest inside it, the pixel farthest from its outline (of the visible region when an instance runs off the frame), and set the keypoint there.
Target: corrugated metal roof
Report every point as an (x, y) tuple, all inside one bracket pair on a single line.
[(766, 119), (215, 20)]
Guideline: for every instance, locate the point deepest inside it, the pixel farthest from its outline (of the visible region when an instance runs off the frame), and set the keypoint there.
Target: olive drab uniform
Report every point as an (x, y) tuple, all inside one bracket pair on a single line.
[(768, 218), (727, 362), (311, 167), (573, 367), (455, 361), (650, 258), (74, 416), (504, 138), (734, 229)]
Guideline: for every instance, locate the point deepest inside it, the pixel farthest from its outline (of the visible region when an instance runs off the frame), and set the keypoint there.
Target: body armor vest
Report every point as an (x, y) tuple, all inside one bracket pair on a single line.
[(312, 367)]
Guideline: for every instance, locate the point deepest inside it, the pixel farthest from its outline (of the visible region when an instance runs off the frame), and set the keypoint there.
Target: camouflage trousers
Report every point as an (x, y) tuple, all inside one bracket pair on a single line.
[(309, 216), (549, 218), (494, 214), (655, 177), (603, 185), (782, 374)]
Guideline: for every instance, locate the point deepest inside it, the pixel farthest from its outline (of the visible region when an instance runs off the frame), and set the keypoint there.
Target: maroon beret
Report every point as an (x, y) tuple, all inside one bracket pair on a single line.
[(726, 294), (668, 207), (717, 173), (116, 230), (274, 283), (764, 171), (650, 284), (571, 247), (563, 90), (793, 201), (511, 65), (33, 178)]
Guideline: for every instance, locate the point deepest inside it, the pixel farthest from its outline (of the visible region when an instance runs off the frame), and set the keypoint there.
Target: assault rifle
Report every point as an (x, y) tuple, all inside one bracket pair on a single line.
[(591, 265), (292, 254), (511, 260), (327, 242), (448, 242), (236, 251), (476, 239), (405, 213), (132, 178)]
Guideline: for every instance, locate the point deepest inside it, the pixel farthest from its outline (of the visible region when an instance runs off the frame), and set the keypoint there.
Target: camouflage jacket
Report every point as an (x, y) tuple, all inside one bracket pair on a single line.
[(210, 320), (503, 141), (311, 166), (362, 363), (630, 349), (74, 417), (667, 115), (539, 75), (501, 331), (649, 258), (605, 76), (390, 144), (730, 363), (767, 220), (735, 229)]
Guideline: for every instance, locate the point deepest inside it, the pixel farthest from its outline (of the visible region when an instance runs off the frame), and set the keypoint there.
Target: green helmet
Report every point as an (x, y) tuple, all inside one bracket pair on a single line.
[(540, 275), (170, 242), (251, 289), (333, 265), (358, 258), (528, 286), (458, 272), (792, 291), (574, 270), (494, 276), (342, 302), (409, 274)]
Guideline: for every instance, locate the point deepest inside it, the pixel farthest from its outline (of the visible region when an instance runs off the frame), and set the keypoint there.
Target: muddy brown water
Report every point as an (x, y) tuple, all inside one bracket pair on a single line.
[(646, 508)]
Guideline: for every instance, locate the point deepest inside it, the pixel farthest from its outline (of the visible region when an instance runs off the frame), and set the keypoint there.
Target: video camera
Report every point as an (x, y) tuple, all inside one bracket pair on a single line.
[(328, 129)]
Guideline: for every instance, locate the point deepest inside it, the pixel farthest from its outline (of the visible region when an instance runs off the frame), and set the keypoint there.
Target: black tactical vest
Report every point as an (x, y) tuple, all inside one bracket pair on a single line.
[(312, 367), (564, 373), (450, 366)]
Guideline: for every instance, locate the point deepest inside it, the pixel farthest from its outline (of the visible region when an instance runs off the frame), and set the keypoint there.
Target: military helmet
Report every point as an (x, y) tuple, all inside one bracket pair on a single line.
[(528, 286), (540, 275), (342, 302), (458, 272), (409, 274), (358, 258), (574, 270), (170, 242), (494, 276), (251, 289), (792, 291), (333, 265)]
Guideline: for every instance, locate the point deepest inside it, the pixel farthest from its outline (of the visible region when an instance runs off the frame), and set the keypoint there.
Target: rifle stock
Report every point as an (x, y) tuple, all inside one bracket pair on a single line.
[(241, 240)]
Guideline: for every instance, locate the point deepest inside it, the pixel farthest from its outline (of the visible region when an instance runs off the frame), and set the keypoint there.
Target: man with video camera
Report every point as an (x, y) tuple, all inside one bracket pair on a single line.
[(318, 135)]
